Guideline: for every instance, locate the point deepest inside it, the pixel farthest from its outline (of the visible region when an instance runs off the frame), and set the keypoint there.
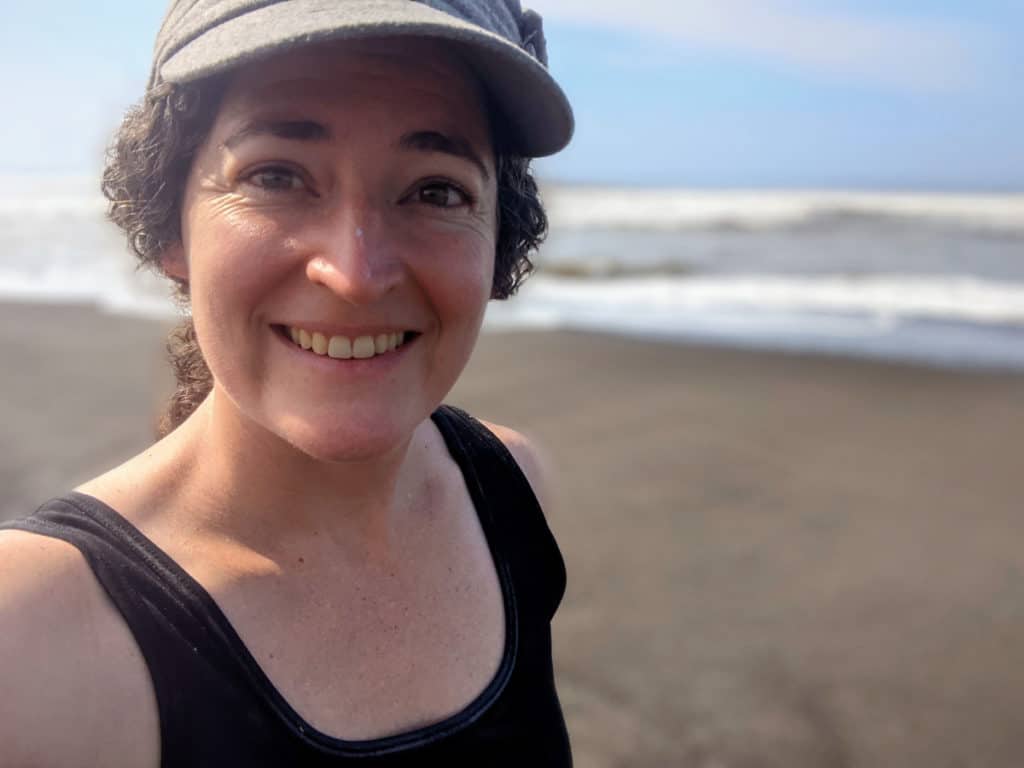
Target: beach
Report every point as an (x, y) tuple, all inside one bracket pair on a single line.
[(773, 559)]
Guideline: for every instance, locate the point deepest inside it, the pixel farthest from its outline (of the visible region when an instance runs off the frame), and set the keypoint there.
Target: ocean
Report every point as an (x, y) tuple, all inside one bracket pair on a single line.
[(929, 278)]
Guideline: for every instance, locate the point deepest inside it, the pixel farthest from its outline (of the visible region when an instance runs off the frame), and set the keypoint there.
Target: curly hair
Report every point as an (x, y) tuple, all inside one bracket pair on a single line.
[(148, 164)]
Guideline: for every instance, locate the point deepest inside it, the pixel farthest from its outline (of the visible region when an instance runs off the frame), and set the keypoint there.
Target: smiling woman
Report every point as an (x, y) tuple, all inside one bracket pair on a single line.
[(313, 205), (318, 562)]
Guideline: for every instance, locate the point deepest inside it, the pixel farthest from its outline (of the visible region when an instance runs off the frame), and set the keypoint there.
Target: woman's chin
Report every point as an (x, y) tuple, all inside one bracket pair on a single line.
[(339, 441)]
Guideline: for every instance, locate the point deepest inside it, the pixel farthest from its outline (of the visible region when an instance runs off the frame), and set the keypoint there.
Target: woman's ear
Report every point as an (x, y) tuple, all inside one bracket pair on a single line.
[(174, 264)]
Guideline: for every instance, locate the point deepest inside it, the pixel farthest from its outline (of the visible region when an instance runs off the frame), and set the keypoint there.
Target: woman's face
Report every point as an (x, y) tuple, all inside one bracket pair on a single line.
[(346, 191)]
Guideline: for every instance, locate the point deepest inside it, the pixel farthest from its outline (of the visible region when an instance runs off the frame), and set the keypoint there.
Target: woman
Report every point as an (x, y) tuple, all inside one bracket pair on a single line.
[(317, 565)]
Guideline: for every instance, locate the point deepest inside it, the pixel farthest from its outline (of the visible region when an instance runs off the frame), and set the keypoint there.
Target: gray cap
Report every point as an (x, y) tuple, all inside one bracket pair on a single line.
[(503, 43)]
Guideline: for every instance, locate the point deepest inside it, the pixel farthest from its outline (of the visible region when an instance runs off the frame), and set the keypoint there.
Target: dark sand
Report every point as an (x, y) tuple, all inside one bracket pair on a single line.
[(773, 560)]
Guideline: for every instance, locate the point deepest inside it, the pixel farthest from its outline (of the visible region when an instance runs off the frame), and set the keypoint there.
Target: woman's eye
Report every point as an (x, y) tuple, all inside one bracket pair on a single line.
[(276, 179), (442, 195)]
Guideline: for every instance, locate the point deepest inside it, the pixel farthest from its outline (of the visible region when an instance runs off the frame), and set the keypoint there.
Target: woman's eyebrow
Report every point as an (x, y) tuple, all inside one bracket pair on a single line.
[(434, 141), (310, 130), (296, 130)]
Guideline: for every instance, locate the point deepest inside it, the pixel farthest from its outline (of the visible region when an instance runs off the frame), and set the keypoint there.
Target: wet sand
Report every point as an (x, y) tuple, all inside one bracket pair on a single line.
[(773, 560)]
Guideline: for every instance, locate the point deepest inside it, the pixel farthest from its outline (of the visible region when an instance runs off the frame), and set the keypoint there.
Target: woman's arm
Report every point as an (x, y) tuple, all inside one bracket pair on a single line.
[(75, 689)]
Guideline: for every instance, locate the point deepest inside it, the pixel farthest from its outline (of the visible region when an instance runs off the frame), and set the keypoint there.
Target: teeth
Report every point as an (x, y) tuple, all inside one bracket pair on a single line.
[(363, 347), (340, 347), (344, 348)]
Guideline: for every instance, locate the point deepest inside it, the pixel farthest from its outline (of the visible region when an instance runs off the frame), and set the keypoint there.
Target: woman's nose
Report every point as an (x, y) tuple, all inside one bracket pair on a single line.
[(356, 260)]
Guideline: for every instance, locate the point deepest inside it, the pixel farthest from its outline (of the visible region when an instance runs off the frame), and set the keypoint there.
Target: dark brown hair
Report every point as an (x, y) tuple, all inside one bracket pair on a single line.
[(148, 164)]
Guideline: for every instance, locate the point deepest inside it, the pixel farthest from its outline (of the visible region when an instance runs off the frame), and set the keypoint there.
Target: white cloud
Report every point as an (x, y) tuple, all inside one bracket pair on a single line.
[(906, 53)]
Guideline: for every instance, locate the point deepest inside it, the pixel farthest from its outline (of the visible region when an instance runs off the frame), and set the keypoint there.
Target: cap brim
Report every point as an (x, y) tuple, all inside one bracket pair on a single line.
[(537, 112)]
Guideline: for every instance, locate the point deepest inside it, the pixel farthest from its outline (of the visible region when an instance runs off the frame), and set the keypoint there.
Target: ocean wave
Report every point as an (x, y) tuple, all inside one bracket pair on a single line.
[(574, 208), (112, 285), (672, 301), (950, 322), (50, 209), (49, 197)]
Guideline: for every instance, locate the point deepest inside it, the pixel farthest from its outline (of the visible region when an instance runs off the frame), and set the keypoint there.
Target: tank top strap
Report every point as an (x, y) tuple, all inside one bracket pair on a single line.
[(501, 491)]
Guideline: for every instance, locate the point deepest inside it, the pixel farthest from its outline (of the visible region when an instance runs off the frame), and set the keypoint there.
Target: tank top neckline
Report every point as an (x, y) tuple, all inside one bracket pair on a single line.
[(168, 570)]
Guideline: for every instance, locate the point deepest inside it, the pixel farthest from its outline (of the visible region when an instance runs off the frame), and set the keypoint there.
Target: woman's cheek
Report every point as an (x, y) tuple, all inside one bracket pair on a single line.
[(460, 247), (230, 272), (238, 240), (232, 217)]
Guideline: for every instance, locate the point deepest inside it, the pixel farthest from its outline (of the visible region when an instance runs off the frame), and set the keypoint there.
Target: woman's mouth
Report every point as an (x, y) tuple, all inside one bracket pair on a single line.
[(346, 347)]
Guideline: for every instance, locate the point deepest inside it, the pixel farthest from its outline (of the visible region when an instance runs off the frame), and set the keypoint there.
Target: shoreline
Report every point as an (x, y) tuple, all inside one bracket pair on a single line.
[(774, 559)]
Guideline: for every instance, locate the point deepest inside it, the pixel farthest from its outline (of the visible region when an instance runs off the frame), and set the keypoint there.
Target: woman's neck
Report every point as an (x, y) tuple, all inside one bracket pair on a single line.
[(229, 477)]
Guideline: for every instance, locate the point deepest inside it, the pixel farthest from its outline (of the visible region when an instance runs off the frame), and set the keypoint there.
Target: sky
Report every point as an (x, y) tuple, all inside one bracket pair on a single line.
[(867, 94)]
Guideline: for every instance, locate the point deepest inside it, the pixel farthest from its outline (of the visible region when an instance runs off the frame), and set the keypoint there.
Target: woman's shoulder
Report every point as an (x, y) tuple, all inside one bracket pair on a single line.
[(74, 683), (546, 572), (531, 457)]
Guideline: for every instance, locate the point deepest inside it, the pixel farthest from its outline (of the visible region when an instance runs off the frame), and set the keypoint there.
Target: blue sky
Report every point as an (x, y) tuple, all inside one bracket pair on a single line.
[(778, 93)]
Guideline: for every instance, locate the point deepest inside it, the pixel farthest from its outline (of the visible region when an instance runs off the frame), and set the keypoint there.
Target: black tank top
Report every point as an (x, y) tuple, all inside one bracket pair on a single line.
[(218, 708)]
